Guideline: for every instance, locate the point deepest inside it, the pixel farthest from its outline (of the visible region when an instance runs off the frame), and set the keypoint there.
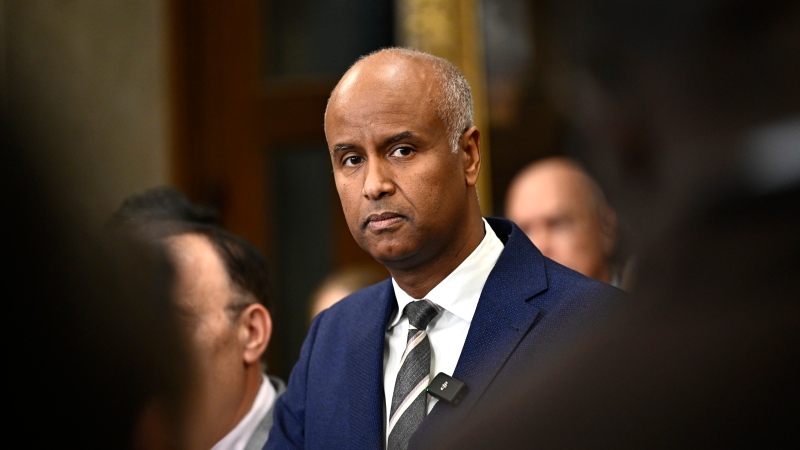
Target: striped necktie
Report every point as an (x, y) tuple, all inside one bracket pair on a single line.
[(409, 399)]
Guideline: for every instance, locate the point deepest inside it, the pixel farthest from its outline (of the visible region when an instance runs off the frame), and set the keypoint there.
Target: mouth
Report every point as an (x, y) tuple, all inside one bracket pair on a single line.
[(383, 221)]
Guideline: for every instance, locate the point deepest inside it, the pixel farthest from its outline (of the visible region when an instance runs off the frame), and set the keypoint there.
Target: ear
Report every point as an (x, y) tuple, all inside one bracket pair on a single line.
[(470, 152), (608, 230), (255, 329)]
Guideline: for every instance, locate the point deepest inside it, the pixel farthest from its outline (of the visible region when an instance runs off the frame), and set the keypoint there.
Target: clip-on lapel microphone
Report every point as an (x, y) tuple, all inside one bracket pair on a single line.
[(444, 387)]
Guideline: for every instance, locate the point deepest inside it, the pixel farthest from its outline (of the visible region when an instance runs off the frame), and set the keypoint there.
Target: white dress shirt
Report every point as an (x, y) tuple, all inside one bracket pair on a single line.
[(458, 294), (241, 433)]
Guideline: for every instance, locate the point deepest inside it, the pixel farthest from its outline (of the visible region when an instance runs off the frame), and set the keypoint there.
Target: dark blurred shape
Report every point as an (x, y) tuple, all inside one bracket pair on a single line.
[(97, 358), (349, 28), (692, 109), (508, 54)]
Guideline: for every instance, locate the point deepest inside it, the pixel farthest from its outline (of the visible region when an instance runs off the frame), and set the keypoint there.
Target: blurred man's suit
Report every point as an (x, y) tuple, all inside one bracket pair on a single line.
[(524, 308)]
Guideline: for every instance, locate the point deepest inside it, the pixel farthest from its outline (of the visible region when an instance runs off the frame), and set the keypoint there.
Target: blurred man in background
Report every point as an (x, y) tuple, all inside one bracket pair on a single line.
[(565, 214), (341, 283), (222, 289)]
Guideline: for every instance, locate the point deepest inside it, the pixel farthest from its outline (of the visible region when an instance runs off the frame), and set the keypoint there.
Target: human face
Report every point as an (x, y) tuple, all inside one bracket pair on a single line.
[(202, 292), (554, 207), (406, 196)]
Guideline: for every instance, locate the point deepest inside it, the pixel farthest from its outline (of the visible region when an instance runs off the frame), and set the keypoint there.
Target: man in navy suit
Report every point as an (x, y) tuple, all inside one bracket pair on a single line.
[(406, 157)]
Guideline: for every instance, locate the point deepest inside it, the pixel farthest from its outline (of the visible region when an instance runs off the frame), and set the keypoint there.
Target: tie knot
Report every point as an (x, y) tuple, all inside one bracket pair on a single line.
[(421, 312)]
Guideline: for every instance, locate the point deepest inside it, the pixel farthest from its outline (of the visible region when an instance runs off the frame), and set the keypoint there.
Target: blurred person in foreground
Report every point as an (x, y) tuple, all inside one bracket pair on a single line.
[(468, 297), (99, 361), (222, 289), (565, 214), (695, 110)]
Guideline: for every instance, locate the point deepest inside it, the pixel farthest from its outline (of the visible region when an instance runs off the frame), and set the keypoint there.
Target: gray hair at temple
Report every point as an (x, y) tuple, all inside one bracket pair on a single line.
[(454, 105)]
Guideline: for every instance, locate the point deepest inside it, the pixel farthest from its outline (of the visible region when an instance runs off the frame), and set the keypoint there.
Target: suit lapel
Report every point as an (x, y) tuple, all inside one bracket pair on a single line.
[(366, 399), (503, 317)]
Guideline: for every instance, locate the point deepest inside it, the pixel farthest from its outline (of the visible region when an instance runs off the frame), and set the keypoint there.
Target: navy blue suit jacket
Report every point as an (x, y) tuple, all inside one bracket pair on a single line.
[(335, 397)]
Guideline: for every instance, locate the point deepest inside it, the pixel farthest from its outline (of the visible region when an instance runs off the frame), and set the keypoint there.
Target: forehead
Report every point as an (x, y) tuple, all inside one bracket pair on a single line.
[(386, 95), (192, 251), (200, 273), (550, 189)]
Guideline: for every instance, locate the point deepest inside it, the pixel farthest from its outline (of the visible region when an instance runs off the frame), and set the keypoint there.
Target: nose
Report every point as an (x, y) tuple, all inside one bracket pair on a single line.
[(377, 180)]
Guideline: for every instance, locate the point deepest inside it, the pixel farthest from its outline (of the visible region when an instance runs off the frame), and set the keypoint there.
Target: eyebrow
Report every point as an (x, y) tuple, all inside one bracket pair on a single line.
[(398, 137), (342, 147), (388, 141)]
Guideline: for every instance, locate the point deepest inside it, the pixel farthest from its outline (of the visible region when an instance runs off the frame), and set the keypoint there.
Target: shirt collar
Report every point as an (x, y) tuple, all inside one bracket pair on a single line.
[(460, 291), (241, 433)]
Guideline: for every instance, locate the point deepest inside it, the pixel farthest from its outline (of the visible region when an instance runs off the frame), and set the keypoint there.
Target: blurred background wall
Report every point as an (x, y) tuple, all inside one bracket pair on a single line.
[(86, 82), (225, 100)]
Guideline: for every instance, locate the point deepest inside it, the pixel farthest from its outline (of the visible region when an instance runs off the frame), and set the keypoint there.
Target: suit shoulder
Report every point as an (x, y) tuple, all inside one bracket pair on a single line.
[(560, 273), (572, 290), (363, 301)]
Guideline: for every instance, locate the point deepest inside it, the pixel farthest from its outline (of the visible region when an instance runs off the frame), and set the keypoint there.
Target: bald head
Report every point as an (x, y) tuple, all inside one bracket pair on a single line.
[(404, 168), (402, 71), (564, 212)]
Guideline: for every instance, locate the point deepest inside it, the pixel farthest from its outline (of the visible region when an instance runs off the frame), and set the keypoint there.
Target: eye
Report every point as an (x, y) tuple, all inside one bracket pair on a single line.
[(352, 161), (402, 151), (560, 223)]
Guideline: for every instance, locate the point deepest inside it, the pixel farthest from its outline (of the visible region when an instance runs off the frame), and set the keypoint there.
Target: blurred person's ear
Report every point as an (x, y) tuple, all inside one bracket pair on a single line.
[(255, 329), (608, 230)]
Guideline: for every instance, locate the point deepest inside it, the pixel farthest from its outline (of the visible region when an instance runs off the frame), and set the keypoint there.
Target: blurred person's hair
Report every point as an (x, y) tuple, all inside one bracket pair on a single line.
[(159, 213), (164, 203)]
